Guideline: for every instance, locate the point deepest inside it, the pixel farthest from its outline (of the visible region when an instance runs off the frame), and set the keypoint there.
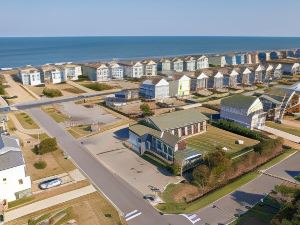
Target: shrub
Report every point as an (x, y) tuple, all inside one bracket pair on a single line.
[(52, 92), (46, 145), (175, 169), (267, 146), (40, 165), (238, 129), (98, 86), (146, 110)]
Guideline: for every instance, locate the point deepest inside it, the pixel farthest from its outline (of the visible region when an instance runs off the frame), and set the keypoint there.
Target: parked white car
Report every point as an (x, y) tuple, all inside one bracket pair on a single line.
[(50, 183)]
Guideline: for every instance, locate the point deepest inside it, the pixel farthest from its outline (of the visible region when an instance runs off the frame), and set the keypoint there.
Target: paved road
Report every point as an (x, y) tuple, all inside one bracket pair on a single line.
[(46, 203), (282, 134), (122, 195), (48, 101)]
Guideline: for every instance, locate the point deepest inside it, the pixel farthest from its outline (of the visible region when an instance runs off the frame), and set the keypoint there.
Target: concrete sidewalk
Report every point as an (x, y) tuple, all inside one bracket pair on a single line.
[(282, 134), (46, 203), (85, 89)]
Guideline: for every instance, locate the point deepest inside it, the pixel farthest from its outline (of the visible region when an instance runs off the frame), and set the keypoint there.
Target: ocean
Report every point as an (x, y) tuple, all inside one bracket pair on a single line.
[(16, 52)]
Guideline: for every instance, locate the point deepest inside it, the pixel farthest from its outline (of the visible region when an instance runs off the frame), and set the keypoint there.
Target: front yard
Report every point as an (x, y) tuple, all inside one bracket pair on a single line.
[(284, 127), (55, 114), (216, 138), (26, 121)]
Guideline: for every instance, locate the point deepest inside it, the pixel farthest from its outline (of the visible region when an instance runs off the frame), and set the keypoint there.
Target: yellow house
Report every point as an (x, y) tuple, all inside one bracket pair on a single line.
[(180, 85)]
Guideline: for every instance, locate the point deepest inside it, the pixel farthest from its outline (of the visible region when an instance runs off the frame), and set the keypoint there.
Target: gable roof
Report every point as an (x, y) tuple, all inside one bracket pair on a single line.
[(234, 73), (166, 137), (238, 101), (177, 119), (202, 76), (154, 81), (279, 67), (219, 75), (259, 68), (270, 68)]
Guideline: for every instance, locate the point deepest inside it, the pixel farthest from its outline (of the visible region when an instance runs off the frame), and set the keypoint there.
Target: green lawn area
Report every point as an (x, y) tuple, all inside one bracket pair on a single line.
[(96, 86), (55, 114), (284, 127), (73, 90), (261, 214), (26, 121), (172, 207), (217, 138), (80, 131)]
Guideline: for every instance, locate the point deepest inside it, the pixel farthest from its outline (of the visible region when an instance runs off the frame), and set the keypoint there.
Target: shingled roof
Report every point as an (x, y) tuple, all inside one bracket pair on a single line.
[(177, 119), (238, 101)]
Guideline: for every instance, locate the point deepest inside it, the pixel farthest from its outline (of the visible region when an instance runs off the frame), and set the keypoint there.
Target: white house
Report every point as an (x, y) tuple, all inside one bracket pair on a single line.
[(244, 110), (14, 183), (269, 72), (150, 68), (218, 81), (54, 74), (202, 80), (167, 65), (73, 71), (179, 65), (137, 70), (233, 78), (246, 77), (259, 74), (157, 88), (202, 62), (190, 63), (278, 71), (103, 73), (180, 86), (296, 69), (31, 76), (117, 71)]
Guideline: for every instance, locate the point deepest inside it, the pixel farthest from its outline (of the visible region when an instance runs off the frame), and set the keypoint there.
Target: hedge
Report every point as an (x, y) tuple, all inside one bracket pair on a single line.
[(52, 92), (46, 145)]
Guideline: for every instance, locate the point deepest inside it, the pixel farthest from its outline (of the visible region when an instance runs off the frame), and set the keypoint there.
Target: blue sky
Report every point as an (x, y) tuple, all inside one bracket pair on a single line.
[(149, 17)]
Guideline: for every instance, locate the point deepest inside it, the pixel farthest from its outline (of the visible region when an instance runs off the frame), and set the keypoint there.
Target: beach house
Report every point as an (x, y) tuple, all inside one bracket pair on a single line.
[(278, 71), (14, 182), (31, 76), (163, 135), (157, 88), (190, 63), (150, 68), (54, 74), (202, 62), (117, 70), (179, 65), (103, 72), (72, 71), (90, 70), (138, 70), (269, 73), (200, 82), (259, 74), (295, 69), (244, 110), (166, 65), (233, 79), (218, 81), (180, 85)]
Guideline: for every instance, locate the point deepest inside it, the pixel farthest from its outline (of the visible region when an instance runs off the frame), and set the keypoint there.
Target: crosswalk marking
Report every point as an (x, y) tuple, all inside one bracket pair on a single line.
[(193, 218), (132, 215)]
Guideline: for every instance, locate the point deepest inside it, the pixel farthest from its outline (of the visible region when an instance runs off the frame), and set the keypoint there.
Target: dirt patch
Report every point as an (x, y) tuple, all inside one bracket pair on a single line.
[(184, 191)]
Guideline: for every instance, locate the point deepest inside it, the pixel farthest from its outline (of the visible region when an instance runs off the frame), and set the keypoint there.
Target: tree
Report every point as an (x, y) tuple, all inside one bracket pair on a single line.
[(46, 145), (145, 108), (201, 175)]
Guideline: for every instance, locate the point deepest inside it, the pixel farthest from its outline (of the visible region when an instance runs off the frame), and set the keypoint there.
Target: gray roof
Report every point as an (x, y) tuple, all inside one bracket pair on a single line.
[(272, 98), (238, 101), (11, 159), (177, 119), (10, 153), (166, 137)]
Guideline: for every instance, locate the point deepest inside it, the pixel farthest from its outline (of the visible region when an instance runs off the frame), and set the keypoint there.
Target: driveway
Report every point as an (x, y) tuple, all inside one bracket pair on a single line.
[(110, 151), (85, 115)]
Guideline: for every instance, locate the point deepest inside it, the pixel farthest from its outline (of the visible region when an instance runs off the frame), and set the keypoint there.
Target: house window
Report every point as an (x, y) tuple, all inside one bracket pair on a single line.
[(196, 130), (189, 130), (139, 140), (176, 132), (183, 131), (20, 181), (201, 126)]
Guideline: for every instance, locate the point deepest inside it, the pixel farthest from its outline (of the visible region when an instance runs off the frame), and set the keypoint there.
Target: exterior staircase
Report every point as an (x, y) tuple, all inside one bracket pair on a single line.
[(287, 98)]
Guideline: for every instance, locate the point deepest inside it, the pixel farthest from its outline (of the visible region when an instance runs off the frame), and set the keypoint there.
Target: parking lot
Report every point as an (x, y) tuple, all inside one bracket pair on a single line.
[(142, 175)]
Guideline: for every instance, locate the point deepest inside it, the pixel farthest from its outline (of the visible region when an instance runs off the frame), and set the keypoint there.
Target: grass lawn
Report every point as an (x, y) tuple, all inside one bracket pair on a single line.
[(96, 86), (73, 90), (26, 121), (217, 138), (284, 127), (261, 214), (172, 207), (55, 114), (89, 209), (80, 131)]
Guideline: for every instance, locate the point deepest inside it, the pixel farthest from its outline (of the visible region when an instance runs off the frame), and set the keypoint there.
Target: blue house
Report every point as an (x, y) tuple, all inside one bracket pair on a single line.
[(154, 89)]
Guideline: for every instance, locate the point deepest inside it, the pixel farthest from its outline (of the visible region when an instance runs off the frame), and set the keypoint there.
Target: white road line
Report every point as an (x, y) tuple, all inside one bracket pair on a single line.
[(193, 218), (132, 214)]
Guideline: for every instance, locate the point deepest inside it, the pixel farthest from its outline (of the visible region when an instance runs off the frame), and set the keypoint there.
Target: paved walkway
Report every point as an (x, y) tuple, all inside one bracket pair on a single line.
[(20, 128), (282, 134), (85, 89), (46, 203)]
